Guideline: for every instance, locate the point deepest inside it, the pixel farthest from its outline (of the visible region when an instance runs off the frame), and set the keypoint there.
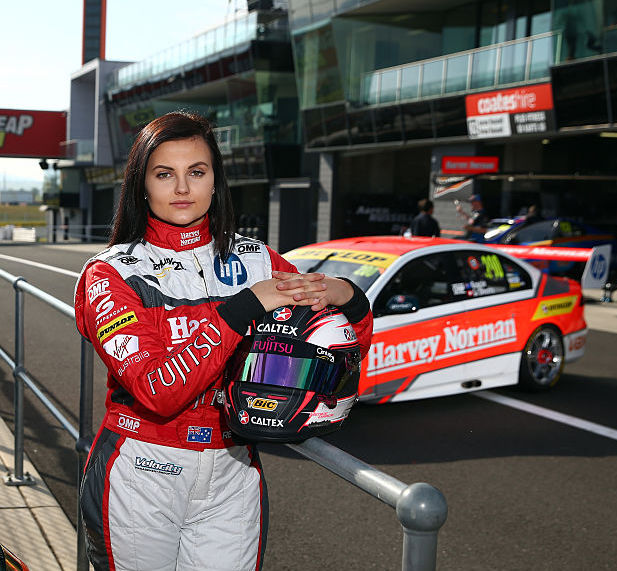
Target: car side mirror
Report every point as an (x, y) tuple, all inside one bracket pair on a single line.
[(402, 304)]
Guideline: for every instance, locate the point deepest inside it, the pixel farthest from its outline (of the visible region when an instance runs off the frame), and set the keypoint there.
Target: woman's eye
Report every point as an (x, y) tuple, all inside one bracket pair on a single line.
[(197, 173), (163, 174)]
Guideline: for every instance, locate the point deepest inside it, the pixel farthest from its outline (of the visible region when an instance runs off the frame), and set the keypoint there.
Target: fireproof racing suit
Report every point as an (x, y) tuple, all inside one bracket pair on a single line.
[(165, 483)]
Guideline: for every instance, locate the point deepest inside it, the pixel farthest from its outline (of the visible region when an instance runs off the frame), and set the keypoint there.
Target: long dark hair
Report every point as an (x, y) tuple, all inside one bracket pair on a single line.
[(130, 219)]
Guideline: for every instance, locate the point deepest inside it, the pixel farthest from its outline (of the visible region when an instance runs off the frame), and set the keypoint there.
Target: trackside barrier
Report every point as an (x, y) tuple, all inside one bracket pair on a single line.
[(421, 509), (77, 232)]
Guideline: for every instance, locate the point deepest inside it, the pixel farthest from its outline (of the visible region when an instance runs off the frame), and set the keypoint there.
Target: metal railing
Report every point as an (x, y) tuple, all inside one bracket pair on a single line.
[(420, 508), (518, 61), (78, 232)]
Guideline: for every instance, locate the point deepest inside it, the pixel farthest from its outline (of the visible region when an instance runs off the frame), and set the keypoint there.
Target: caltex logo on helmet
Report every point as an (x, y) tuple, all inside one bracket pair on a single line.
[(281, 314), (243, 417)]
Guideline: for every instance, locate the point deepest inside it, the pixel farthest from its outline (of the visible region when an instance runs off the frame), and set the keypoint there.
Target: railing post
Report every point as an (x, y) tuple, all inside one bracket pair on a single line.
[(422, 510), (18, 478), (84, 441)]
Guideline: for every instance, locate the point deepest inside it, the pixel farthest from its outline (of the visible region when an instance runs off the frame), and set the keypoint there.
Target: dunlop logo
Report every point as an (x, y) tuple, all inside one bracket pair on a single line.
[(115, 325), (263, 404)]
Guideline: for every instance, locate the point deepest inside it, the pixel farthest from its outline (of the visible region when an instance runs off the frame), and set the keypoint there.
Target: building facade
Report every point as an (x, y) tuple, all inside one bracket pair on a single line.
[(336, 116)]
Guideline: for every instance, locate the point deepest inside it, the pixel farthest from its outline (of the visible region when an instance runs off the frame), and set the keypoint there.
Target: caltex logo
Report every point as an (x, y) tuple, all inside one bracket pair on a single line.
[(282, 314), (243, 417)]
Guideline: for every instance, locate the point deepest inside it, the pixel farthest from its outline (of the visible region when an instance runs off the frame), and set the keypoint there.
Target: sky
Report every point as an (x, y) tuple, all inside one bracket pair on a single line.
[(40, 47)]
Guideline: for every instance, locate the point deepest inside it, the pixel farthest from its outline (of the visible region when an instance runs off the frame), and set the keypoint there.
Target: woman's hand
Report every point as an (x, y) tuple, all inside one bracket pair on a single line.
[(316, 290), (272, 295)]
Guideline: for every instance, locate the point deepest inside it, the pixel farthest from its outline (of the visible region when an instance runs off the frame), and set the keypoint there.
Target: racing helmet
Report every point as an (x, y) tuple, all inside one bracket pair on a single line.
[(293, 376)]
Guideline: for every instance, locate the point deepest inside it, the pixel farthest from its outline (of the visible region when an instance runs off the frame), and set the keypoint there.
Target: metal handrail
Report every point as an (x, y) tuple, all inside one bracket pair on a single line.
[(84, 435), (420, 508)]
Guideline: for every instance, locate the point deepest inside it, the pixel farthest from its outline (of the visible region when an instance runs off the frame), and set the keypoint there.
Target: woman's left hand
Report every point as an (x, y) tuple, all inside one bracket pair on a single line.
[(318, 289)]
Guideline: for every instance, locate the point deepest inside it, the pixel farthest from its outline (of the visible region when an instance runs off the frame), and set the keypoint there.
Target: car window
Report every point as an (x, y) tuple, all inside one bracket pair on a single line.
[(536, 232), (568, 229), (422, 282), (485, 273)]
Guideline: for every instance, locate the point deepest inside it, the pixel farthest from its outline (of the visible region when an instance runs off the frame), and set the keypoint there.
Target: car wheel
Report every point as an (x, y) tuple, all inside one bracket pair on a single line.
[(542, 360)]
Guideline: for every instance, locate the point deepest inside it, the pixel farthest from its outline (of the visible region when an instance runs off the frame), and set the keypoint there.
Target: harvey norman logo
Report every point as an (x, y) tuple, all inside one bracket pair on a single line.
[(455, 340)]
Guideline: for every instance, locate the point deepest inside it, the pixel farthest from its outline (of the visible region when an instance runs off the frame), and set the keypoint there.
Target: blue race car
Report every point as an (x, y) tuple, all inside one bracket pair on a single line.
[(550, 232)]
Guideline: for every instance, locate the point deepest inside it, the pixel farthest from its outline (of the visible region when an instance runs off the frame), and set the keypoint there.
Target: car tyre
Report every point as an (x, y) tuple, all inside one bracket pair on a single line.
[(542, 359)]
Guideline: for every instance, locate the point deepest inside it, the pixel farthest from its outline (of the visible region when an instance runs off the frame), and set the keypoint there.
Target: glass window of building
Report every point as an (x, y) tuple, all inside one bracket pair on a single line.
[(317, 71)]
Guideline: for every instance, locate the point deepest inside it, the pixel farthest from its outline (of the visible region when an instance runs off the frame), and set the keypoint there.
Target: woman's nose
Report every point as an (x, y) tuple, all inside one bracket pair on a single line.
[(182, 186)]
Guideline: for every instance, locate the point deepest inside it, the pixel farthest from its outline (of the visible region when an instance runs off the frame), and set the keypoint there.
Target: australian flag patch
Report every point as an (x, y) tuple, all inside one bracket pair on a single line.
[(199, 434)]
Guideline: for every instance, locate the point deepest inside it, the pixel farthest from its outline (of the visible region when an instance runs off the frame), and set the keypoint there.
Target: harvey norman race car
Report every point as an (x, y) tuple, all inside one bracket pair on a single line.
[(454, 316)]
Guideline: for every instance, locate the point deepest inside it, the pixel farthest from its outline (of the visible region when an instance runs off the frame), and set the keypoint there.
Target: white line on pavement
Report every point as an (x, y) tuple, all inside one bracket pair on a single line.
[(38, 265), (550, 414)]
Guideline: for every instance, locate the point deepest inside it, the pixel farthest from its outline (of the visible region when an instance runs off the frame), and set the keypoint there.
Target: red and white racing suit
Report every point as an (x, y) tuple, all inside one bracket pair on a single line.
[(166, 486)]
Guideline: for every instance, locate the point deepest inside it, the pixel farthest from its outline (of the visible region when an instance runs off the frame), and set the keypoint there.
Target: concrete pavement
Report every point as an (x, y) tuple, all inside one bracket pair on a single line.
[(34, 527)]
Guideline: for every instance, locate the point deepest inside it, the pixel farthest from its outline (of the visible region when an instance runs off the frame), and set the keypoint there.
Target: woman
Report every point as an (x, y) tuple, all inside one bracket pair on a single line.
[(165, 486)]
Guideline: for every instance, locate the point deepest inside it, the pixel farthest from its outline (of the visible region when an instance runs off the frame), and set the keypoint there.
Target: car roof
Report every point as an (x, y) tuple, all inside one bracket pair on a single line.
[(397, 245)]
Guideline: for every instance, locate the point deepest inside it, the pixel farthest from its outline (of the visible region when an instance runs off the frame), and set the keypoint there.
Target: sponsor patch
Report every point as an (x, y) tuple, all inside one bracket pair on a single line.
[(128, 260), (271, 422), (281, 314), (199, 434), (277, 328), (181, 328), (150, 465), (121, 346), (243, 417), (262, 403), (134, 358), (128, 423), (269, 345), (325, 355), (187, 238), (248, 248), (231, 272), (559, 306), (119, 323), (165, 265)]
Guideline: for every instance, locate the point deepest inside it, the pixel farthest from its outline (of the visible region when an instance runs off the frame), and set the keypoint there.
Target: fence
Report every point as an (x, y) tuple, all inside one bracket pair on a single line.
[(421, 509)]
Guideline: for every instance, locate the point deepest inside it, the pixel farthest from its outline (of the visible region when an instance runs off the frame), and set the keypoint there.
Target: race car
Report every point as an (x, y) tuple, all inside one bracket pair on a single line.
[(554, 232), (453, 317)]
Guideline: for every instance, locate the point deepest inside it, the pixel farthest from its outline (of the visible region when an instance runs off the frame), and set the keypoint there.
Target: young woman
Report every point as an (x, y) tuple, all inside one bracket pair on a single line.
[(165, 486)]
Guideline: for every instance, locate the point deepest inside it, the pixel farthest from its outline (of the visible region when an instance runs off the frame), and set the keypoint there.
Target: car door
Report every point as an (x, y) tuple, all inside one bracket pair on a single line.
[(411, 309), (497, 292)]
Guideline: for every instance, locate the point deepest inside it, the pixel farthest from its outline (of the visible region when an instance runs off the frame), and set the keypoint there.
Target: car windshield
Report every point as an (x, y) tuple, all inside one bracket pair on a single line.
[(331, 264)]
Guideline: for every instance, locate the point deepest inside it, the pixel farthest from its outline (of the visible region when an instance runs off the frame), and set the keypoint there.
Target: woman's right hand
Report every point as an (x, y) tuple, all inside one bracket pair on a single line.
[(271, 297)]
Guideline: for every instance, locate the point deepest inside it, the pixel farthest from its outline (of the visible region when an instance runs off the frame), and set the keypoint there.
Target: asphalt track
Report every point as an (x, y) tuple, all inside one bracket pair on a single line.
[(523, 491)]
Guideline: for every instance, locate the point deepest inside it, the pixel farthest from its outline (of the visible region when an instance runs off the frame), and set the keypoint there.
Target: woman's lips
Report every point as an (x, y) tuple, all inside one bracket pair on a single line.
[(181, 204)]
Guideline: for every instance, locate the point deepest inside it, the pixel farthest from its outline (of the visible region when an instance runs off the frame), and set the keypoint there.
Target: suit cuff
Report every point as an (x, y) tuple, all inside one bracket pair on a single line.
[(357, 308), (240, 310)]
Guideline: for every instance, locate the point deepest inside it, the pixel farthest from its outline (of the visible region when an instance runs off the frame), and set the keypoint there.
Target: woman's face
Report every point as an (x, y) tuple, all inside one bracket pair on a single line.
[(180, 180)]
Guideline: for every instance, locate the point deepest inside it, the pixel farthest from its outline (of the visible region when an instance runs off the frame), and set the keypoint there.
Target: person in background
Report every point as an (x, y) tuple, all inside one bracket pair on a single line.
[(167, 486), (424, 224), (476, 222), (532, 214)]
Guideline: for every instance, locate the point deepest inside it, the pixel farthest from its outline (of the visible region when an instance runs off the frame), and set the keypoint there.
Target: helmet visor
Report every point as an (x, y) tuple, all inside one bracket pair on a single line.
[(324, 374)]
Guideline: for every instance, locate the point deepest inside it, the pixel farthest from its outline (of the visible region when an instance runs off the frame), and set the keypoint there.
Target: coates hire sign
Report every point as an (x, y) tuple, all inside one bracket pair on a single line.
[(521, 111), (35, 134), (469, 165)]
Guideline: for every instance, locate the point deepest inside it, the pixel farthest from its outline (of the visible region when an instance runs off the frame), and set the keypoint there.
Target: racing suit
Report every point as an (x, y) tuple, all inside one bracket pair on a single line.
[(165, 483)]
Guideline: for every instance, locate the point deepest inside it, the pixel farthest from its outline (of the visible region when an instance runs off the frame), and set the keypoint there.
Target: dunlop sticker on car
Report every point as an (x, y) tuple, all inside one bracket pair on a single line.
[(353, 256), (551, 307), (115, 325)]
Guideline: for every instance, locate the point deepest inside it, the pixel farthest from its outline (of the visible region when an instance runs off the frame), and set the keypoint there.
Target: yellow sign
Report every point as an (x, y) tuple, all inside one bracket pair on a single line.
[(118, 323), (558, 306), (352, 256)]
